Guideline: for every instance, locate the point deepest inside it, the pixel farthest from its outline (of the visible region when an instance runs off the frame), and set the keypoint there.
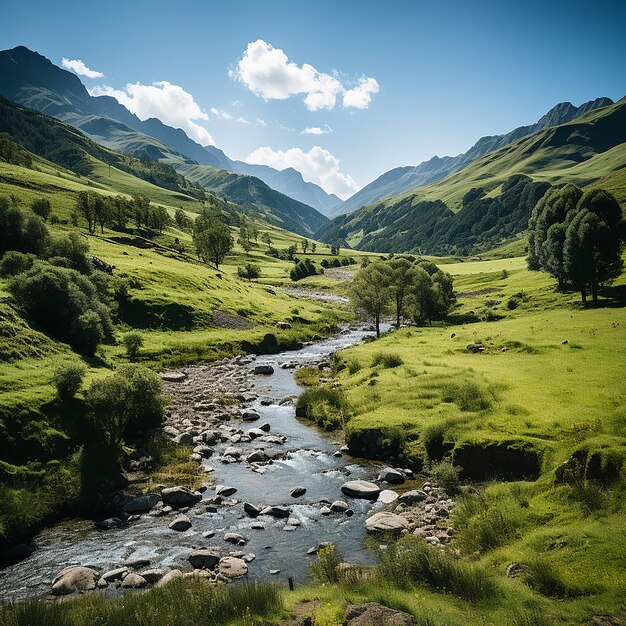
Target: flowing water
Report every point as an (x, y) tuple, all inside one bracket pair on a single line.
[(309, 462)]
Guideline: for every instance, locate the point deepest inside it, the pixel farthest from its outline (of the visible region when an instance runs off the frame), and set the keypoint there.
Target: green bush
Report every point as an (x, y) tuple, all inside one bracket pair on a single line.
[(68, 377), (73, 248), (468, 395), (42, 208), (446, 475), (14, 263), (545, 578), (387, 360), (303, 269), (326, 570), (249, 271), (133, 342), (19, 231), (325, 405)]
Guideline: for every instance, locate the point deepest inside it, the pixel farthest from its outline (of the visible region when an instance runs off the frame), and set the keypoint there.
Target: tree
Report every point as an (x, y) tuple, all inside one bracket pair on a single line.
[(68, 377), (84, 207), (214, 242), (371, 291), (313, 247), (42, 208), (133, 342), (402, 276), (421, 296), (182, 221), (305, 245), (266, 239)]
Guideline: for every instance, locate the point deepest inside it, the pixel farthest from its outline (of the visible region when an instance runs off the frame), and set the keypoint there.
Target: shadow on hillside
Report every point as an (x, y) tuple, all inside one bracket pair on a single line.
[(612, 297)]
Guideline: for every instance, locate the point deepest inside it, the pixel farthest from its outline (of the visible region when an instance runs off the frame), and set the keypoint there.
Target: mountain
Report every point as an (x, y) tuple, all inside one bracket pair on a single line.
[(402, 179), (490, 199), (33, 80)]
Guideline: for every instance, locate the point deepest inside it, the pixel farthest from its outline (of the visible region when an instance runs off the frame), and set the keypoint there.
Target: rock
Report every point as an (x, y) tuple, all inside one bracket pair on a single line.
[(258, 456), (142, 504), (273, 572), (361, 489), (413, 496), (344, 449), (232, 567), (298, 492), (339, 506), (184, 439), (204, 558), (475, 348), (257, 526), (253, 433), (235, 538), (180, 496), (234, 452), (373, 614), (386, 522), (180, 523), (74, 580), (204, 451), (265, 370), (134, 563), (107, 524), (265, 427), (152, 576), (134, 581), (276, 511), (293, 521), (250, 416), (169, 577), (115, 574), (513, 570), (325, 510), (387, 496), (223, 490), (173, 377), (391, 476), (251, 509), (283, 325), (208, 534)]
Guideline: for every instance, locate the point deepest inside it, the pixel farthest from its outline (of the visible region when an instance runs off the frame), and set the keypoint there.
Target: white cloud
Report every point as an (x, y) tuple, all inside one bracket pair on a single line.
[(360, 97), (169, 103), (317, 130), (317, 166), (260, 122), (269, 74), (225, 115), (77, 66)]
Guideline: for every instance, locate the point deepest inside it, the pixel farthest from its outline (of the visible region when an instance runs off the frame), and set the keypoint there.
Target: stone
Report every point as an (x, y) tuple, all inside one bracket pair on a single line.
[(204, 558), (173, 377), (251, 509), (107, 524), (339, 506), (235, 538), (74, 580), (142, 504), (265, 427), (152, 576), (276, 511), (373, 614), (180, 496), (386, 522), (413, 496), (180, 523), (257, 526), (298, 492), (223, 490), (134, 581), (184, 439), (258, 456), (234, 452), (325, 510), (293, 521), (115, 574), (134, 563), (361, 489), (273, 572), (232, 567), (204, 451), (250, 416), (169, 577), (265, 370), (475, 348), (253, 433), (387, 496), (391, 476)]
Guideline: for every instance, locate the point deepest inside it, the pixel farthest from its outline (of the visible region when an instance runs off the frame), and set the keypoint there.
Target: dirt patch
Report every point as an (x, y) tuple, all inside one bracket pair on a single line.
[(339, 274), (228, 320)]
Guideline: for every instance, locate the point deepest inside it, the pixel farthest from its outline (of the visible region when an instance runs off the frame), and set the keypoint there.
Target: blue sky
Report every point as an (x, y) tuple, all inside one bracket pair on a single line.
[(387, 83)]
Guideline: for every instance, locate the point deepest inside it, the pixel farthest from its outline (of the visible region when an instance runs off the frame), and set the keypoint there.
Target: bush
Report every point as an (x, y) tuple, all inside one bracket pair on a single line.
[(133, 341), (87, 332), (303, 269), (468, 395), (387, 360), (326, 570), (14, 263), (325, 405), (21, 232), (412, 561), (446, 475), (68, 377), (73, 248), (249, 271), (42, 208), (543, 576)]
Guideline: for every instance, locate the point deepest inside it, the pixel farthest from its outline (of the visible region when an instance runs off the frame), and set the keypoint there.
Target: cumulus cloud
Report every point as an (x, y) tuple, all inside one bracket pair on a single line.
[(169, 103), (261, 122), (225, 115), (360, 96), (317, 130), (77, 66), (317, 166), (269, 74)]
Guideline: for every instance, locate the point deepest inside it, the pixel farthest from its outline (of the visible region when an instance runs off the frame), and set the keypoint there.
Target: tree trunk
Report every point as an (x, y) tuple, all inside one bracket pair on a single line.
[(398, 311), (377, 325), (583, 293), (594, 292)]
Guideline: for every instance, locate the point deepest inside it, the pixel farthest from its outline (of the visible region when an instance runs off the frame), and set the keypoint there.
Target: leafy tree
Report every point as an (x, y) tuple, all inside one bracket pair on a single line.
[(20, 231), (303, 269), (249, 271), (68, 377), (313, 247), (266, 239), (403, 275), (74, 248), (181, 219), (133, 342), (213, 242), (371, 291), (85, 208), (14, 263), (305, 245), (421, 296), (42, 208)]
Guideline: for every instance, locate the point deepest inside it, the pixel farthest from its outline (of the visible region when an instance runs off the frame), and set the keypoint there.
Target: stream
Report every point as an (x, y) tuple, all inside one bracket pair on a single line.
[(308, 458)]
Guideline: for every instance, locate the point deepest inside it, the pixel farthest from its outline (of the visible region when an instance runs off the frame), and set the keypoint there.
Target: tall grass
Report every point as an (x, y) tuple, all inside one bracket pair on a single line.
[(190, 602), (325, 405), (468, 395), (386, 360)]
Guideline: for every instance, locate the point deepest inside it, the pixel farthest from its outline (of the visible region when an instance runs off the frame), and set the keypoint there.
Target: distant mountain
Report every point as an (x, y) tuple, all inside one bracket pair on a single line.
[(402, 179), (490, 199), (33, 80)]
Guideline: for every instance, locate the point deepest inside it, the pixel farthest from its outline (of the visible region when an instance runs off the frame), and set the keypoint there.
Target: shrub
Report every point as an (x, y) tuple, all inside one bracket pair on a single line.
[(303, 269), (42, 208), (325, 405), (326, 570), (412, 561), (446, 475), (68, 377), (387, 360), (74, 249), (543, 576), (87, 332), (14, 263), (249, 271), (21, 232), (133, 341), (467, 394)]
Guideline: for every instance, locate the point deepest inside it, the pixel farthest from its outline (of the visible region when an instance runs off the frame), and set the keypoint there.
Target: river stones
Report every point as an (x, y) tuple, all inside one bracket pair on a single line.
[(233, 451), (142, 504), (173, 377), (152, 576), (258, 456), (134, 581), (204, 558), (180, 496), (265, 427), (114, 575), (391, 476), (235, 538), (169, 577), (251, 509), (204, 451), (387, 496), (184, 439), (413, 496), (248, 415), (276, 511), (107, 524), (180, 523), (339, 506), (232, 567), (74, 580), (223, 490), (385, 522), (374, 613), (361, 489), (253, 433), (298, 492)]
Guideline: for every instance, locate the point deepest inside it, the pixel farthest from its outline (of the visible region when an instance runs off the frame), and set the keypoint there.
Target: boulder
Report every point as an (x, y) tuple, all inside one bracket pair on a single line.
[(387, 496), (298, 492), (204, 558), (173, 377), (251, 509), (339, 506), (74, 580), (361, 489), (115, 574), (169, 577), (180, 523), (258, 456), (142, 504), (204, 451), (265, 370), (265, 427), (235, 538), (134, 581), (232, 567), (413, 496), (152, 576), (391, 476), (475, 348), (384, 522), (372, 613), (276, 511), (223, 490), (107, 524), (180, 496)]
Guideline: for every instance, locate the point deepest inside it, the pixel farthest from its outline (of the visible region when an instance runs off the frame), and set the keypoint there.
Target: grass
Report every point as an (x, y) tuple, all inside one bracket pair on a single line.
[(325, 405)]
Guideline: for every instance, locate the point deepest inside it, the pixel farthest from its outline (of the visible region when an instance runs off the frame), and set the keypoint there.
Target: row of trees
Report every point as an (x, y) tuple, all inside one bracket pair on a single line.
[(577, 237), (418, 290)]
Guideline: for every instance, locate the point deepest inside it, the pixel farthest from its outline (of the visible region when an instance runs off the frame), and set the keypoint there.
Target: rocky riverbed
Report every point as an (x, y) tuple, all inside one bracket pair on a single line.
[(276, 490)]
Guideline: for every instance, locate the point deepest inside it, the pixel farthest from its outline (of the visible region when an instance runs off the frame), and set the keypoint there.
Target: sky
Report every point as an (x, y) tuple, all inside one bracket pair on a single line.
[(341, 90)]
